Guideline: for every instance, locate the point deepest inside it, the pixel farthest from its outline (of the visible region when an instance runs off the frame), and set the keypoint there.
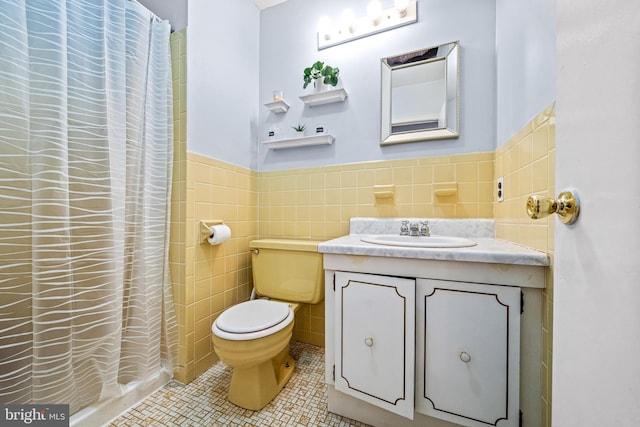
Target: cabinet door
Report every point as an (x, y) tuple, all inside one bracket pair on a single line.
[(468, 352), (375, 340)]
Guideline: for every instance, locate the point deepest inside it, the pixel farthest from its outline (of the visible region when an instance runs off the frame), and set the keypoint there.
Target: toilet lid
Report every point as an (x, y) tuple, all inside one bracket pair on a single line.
[(252, 316)]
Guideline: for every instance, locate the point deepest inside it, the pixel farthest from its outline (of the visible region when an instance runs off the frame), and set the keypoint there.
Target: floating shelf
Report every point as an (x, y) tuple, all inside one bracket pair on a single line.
[(324, 139), (279, 106), (326, 97)]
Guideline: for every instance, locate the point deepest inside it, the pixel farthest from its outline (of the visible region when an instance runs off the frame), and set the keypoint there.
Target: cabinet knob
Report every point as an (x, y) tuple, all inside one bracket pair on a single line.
[(368, 342), (465, 357)]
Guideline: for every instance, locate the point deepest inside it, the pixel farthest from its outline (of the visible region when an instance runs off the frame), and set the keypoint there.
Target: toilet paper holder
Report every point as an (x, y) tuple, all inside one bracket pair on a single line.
[(205, 228)]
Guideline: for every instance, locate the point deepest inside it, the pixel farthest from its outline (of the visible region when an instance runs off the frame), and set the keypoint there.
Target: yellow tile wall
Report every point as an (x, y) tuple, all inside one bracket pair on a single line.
[(179, 187), (527, 163), (216, 277), (317, 203)]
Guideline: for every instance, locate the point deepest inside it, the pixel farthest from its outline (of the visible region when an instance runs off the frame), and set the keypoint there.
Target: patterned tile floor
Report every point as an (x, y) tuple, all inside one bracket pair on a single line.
[(302, 402)]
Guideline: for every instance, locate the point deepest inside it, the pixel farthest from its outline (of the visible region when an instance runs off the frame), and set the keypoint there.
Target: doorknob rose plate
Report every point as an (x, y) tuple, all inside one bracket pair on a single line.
[(567, 206)]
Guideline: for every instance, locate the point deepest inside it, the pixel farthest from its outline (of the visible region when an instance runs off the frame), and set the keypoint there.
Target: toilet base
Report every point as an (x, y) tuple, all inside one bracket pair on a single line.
[(252, 387)]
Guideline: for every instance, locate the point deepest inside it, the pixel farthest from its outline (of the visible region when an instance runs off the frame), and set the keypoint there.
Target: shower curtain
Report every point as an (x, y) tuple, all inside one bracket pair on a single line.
[(85, 177)]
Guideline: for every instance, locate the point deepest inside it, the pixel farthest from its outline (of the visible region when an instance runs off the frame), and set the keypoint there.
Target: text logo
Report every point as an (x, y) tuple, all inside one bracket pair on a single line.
[(34, 415)]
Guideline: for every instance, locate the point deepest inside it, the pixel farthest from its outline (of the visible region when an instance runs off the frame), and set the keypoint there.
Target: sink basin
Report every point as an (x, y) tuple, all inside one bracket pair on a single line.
[(419, 241)]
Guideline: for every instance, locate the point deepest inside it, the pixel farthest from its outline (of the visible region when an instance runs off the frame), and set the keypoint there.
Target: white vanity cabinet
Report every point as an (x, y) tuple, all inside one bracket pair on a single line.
[(468, 352), (474, 357), (374, 351), (472, 360)]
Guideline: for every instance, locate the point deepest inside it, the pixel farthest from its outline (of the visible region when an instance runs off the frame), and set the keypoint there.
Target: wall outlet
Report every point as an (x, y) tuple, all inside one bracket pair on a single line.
[(500, 189)]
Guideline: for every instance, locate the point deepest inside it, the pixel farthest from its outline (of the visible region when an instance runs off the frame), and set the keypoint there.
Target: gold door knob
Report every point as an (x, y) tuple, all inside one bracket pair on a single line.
[(567, 206), (540, 206)]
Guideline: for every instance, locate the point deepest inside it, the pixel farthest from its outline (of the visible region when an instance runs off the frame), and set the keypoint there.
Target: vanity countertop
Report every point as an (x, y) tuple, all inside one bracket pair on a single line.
[(488, 250)]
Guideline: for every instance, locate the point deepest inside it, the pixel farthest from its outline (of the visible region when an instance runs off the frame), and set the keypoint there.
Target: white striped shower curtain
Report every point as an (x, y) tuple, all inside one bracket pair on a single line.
[(85, 177)]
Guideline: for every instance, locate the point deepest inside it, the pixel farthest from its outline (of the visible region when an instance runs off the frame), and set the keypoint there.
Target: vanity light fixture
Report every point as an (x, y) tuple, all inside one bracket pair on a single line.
[(377, 20), (348, 19), (401, 7), (374, 11), (325, 27)]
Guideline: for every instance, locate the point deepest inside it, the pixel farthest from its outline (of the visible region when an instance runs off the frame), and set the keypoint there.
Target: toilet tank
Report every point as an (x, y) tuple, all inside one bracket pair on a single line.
[(289, 270)]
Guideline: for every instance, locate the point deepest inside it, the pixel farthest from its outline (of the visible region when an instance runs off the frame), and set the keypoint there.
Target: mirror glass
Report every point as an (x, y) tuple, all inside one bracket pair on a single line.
[(419, 91)]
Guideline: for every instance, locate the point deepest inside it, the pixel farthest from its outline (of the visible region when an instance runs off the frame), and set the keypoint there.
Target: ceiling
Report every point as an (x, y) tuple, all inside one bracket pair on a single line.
[(263, 4), (173, 10), (176, 10)]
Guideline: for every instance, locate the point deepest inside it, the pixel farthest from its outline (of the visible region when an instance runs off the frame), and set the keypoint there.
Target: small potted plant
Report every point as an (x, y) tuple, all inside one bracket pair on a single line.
[(299, 129), (320, 75)]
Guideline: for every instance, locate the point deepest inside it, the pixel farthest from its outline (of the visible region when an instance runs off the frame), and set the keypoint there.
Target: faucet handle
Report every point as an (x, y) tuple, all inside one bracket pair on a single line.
[(404, 228), (424, 229)]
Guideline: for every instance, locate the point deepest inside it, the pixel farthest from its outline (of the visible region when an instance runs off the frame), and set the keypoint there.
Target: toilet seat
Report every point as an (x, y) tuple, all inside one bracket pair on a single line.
[(252, 319)]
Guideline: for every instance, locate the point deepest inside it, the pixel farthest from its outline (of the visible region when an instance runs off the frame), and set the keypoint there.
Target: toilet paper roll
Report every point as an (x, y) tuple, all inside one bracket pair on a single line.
[(219, 234)]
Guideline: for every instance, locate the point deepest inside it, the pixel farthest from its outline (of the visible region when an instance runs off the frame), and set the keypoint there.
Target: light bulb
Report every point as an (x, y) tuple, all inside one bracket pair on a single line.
[(374, 9), (348, 19), (401, 7), (324, 27)]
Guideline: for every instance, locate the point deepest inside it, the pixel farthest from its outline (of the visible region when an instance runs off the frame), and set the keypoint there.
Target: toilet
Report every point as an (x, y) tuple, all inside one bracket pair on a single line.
[(253, 337)]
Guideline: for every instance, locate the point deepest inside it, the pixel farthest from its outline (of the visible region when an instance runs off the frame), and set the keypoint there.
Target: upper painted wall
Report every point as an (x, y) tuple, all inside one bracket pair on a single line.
[(237, 56), (222, 80), (288, 44), (526, 62)]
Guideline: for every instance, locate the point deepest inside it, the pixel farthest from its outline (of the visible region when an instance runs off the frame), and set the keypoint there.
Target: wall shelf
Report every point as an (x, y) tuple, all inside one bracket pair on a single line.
[(277, 107), (445, 189), (384, 191), (326, 97), (324, 139)]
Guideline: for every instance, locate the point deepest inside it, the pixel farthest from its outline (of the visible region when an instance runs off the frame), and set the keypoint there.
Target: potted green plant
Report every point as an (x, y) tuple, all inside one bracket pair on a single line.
[(320, 73), (299, 129)]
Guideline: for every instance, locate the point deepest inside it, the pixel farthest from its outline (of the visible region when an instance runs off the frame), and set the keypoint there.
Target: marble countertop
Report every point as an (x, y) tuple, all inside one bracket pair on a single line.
[(482, 231), (488, 250)]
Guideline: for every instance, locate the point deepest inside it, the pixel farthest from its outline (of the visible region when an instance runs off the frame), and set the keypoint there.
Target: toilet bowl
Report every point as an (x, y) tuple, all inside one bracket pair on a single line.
[(253, 337)]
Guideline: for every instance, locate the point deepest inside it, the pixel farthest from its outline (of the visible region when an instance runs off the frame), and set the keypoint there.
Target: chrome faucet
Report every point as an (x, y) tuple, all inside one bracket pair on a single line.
[(424, 229), (404, 228), (414, 229)]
